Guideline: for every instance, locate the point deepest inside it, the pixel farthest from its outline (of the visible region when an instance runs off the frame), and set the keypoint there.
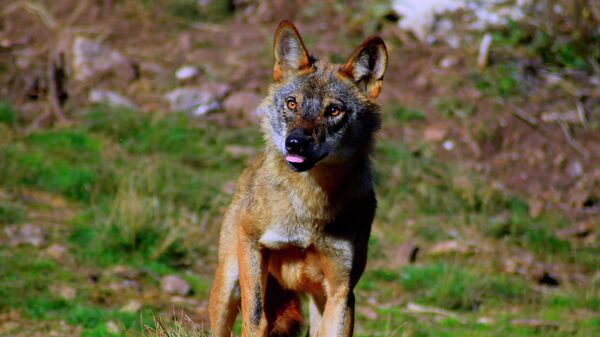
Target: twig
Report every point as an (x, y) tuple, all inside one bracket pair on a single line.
[(581, 114), (40, 120), (33, 8), (53, 90), (81, 6), (419, 309), (594, 64), (532, 121), (484, 51), (526, 117), (578, 147)]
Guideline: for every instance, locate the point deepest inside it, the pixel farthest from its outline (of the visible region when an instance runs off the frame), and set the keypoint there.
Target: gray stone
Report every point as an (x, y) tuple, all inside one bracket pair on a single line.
[(25, 234), (90, 59), (111, 98), (186, 73), (175, 285), (203, 109), (575, 169), (244, 102), (63, 291), (197, 100), (56, 251)]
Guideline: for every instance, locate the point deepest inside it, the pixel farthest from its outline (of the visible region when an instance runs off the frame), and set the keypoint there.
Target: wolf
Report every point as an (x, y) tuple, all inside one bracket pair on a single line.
[(300, 218)]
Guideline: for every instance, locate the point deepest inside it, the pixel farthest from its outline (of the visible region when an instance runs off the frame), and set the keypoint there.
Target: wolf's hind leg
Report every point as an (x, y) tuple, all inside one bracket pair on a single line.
[(283, 310), (315, 311)]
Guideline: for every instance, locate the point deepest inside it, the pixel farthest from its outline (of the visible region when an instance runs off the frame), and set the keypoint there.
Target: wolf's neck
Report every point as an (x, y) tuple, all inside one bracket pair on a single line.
[(331, 178)]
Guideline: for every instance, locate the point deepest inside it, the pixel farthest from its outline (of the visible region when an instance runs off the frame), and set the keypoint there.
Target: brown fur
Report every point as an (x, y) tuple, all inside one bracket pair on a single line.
[(289, 232)]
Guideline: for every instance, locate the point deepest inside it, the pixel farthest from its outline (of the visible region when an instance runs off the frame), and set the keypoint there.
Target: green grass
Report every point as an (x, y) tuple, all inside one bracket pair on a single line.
[(453, 107), (165, 193), (7, 114), (145, 185), (149, 193), (24, 277), (191, 10), (11, 213), (25, 282), (449, 286), (400, 113), (567, 50), (501, 80), (67, 162), (412, 185)]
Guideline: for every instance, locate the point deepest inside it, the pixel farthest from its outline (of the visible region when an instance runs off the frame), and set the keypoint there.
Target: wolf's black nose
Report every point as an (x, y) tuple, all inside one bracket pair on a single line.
[(297, 141)]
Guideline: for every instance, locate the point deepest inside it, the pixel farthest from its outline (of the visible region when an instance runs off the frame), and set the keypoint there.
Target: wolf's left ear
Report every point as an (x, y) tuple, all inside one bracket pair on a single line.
[(367, 65), (289, 50)]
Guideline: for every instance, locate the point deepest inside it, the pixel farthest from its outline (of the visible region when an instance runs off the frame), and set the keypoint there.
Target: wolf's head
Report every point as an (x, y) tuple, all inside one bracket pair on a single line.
[(318, 112)]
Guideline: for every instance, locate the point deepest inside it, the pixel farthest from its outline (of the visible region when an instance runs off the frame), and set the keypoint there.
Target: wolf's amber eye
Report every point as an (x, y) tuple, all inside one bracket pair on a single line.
[(291, 103), (333, 110)]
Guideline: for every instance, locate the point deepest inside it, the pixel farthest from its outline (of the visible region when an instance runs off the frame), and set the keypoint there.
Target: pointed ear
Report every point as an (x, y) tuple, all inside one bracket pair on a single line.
[(289, 50), (367, 65)]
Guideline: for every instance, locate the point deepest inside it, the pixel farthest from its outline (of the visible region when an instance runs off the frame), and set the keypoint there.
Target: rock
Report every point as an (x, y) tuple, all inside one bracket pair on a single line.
[(431, 20), (536, 206), (111, 98), (368, 313), (186, 73), (451, 246), (197, 100), (91, 59), (25, 234), (547, 278), (434, 133), (405, 254), (448, 62), (240, 151), (448, 145), (152, 68), (172, 284), (535, 323), (132, 306), (244, 102), (486, 320), (124, 284), (63, 291), (56, 251), (422, 81), (575, 169), (228, 187), (203, 109), (112, 327)]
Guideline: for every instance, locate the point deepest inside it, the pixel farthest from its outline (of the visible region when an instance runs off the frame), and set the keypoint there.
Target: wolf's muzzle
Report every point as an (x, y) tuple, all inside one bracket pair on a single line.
[(297, 141)]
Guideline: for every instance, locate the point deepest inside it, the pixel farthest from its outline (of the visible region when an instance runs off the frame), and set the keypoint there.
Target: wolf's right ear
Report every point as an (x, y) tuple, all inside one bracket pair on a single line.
[(367, 65), (289, 50)]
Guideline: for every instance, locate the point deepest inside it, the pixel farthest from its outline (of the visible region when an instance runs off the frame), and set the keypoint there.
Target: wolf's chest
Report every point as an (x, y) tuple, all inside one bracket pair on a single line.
[(279, 235)]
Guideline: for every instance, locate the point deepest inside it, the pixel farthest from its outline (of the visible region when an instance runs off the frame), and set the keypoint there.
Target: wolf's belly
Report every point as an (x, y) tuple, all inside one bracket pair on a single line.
[(297, 269)]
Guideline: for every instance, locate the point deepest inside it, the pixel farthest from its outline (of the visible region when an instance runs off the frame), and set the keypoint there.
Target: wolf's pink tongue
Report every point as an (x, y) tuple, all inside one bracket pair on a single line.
[(294, 159)]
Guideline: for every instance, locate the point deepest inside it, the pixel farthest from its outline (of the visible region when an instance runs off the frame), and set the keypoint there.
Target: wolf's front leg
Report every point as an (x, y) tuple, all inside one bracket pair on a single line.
[(342, 265), (224, 300), (253, 279)]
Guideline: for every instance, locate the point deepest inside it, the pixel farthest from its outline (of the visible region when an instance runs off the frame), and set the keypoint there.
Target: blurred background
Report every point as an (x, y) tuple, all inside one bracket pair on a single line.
[(124, 124)]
